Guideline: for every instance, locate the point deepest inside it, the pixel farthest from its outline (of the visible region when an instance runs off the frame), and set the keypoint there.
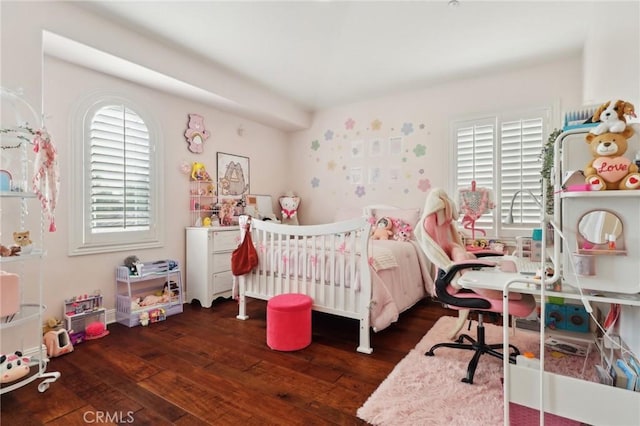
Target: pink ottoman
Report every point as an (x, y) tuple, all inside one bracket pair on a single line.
[(289, 322)]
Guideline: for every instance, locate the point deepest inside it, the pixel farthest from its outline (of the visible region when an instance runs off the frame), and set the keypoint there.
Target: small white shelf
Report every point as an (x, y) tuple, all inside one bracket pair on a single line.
[(28, 312), (35, 254), (610, 193)]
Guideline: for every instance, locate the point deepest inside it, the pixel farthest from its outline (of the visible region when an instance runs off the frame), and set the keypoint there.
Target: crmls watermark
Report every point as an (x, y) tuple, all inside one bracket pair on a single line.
[(108, 417)]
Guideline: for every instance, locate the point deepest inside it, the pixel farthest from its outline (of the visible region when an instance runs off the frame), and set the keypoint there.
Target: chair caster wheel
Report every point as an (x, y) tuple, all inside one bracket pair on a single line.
[(430, 353), (465, 380)]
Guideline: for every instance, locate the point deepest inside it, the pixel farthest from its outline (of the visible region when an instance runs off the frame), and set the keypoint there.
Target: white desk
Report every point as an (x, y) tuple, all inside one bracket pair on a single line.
[(553, 393)]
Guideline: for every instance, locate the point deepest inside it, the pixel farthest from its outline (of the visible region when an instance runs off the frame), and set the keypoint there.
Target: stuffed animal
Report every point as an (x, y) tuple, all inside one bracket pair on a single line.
[(611, 116), (9, 251), (402, 231), (383, 229), (609, 169), (23, 241), (13, 367), (289, 205)]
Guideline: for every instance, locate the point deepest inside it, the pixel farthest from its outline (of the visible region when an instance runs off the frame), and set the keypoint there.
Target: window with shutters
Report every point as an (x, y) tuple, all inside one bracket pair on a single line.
[(116, 177), (502, 153)]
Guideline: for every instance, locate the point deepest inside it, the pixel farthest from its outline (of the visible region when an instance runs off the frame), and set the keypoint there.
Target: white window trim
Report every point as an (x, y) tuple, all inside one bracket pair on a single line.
[(500, 230), (79, 214)]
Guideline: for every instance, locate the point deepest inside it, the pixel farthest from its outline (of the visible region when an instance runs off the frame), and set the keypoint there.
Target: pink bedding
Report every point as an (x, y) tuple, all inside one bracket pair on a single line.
[(396, 289)]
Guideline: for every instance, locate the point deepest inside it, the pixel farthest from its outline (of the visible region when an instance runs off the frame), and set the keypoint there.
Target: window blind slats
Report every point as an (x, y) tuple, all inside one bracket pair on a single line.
[(120, 164)]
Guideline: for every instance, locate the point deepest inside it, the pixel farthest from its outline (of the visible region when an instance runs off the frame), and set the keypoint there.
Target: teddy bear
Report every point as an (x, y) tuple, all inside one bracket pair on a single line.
[(383, 229), (196, 133), (289, 208), (611, 116), (609, 169)]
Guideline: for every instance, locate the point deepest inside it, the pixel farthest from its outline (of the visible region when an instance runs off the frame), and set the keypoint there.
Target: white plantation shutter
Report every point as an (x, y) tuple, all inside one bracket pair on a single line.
[(506, 160), (117, 194), (120, 171), (520, 147), (475, 161)]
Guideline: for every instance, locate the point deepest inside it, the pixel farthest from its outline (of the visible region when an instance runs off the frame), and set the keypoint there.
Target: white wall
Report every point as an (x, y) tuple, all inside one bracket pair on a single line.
[(430, 112), (61, 84)]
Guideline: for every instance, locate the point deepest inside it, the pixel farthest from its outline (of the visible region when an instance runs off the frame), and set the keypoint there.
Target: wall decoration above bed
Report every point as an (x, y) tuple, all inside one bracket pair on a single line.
[(196, 133), (233, 175)]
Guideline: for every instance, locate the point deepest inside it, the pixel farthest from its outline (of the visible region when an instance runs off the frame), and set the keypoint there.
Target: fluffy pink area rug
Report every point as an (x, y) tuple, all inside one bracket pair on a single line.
[(425, 390)]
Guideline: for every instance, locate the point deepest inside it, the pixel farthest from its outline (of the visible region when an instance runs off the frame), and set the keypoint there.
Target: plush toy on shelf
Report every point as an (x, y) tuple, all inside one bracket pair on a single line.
[(611, 116), (609, 169), (383, 229), (23, 240)]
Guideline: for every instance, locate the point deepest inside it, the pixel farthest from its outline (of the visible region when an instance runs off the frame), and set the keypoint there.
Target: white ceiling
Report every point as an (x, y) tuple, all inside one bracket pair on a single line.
[(321, 54)]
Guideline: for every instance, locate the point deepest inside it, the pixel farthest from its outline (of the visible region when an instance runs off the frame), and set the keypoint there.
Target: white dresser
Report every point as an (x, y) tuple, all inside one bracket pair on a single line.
[(209, 262)]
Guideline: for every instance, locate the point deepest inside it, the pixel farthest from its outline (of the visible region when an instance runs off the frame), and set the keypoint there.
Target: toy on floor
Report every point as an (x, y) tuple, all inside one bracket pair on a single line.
[(13, 367), (58, 342), (95, 330)]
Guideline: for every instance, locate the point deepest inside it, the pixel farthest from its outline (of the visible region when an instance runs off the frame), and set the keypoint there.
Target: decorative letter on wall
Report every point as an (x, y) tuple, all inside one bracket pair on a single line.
[(196, 133)]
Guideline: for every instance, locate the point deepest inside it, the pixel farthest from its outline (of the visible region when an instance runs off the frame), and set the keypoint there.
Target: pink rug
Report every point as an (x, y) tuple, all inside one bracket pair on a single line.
[(425, 390)]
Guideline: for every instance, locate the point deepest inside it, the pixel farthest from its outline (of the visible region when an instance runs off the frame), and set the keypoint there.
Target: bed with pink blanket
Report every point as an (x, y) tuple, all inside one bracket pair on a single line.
[(326, 262)]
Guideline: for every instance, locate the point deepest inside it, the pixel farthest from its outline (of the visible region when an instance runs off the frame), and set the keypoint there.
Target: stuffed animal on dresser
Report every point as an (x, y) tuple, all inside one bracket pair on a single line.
[(289, 205), (609, 169)]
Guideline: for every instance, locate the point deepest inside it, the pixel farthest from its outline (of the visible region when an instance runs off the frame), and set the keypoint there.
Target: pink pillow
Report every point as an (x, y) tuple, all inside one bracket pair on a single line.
[(410, 216)]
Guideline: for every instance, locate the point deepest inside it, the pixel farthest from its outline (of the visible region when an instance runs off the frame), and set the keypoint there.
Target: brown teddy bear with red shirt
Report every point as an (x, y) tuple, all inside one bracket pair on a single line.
[(609, 169)]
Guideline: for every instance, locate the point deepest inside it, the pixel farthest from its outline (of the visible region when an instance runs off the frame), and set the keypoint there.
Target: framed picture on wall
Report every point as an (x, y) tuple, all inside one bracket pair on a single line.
[(233, 175)]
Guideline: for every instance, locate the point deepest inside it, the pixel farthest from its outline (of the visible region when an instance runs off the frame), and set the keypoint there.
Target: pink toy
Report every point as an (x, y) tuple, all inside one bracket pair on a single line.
[(196, 133), (13, 367), (10, 292), (58, 342), (95, 330)]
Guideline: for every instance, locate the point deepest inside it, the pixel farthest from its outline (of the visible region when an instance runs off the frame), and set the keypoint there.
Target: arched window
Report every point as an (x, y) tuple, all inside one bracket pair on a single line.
[(116, 179)]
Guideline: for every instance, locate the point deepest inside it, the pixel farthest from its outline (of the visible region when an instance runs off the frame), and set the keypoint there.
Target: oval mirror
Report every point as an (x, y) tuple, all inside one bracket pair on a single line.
[(594, 226)]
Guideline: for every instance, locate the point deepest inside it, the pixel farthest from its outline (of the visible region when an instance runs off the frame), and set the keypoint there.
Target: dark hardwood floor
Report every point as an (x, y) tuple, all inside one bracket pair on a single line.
[(206, 367)]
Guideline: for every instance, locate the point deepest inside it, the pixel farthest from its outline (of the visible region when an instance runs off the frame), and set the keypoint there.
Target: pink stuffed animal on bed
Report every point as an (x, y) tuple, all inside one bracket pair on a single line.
[(403, 231)]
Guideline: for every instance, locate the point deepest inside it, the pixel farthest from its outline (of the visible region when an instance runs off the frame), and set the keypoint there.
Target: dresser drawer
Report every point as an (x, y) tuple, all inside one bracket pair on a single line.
[(225, 240), (220, 283), (221, 262)]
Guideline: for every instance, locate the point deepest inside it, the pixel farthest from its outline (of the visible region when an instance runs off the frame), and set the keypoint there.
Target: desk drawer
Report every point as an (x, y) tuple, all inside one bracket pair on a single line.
[(225, 240)]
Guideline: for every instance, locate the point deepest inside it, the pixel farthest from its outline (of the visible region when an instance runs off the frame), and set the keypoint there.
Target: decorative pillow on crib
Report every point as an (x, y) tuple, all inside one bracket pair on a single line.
[(409, 216)]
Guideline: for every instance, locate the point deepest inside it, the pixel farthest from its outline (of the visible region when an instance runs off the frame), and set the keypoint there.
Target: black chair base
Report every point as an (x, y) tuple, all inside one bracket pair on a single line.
[(479, 346)]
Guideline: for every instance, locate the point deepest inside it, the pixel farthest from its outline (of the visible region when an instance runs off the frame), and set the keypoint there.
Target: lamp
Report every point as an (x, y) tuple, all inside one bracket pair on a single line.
[(508, 220)]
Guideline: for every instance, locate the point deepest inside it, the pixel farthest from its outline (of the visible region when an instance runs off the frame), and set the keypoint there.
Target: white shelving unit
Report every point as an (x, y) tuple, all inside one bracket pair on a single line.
[(152, 279), (616, 279), (20, 210), (202, 200)]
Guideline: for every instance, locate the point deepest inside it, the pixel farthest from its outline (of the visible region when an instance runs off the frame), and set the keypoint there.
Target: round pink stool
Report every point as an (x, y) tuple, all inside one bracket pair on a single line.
[(289, 322)]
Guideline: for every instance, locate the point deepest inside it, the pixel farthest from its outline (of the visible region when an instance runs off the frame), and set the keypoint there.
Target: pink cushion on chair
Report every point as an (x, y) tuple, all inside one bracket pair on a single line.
[(289, 322)]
